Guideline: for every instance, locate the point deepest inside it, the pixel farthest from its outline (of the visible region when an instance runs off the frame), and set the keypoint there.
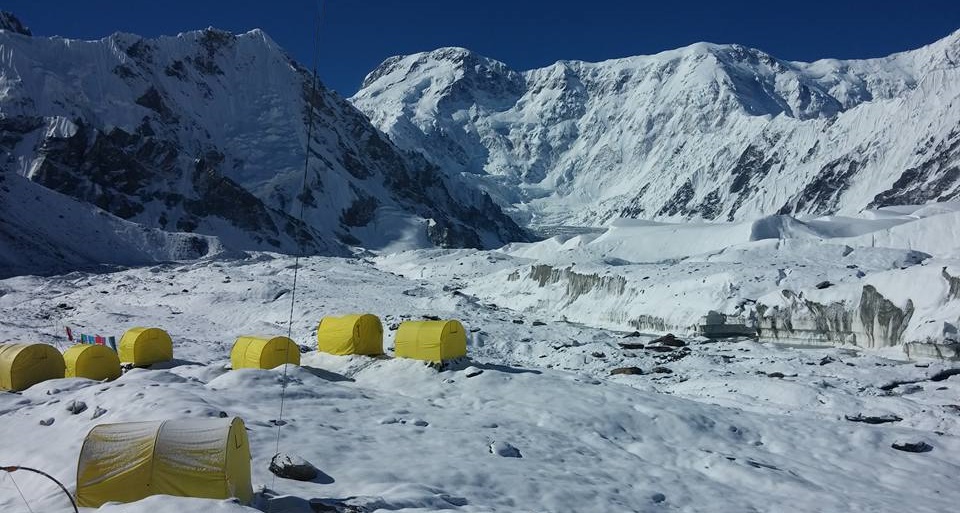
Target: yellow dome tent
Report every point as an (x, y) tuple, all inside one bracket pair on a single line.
[(350, 334), (25, 365), (92, 362), (251, 352), (433, 341), (145, 346), (207, 458)]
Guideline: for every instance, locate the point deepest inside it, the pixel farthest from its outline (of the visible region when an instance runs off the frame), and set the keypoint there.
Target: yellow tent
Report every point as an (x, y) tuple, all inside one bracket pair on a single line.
[(145, 346), (25, 365), (91, 361), (433, 341), (207, 458), (250, 352), (350, 334)]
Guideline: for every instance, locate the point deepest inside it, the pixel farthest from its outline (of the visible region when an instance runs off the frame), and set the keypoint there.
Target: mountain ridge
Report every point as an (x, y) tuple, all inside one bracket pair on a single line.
[(679, 134)]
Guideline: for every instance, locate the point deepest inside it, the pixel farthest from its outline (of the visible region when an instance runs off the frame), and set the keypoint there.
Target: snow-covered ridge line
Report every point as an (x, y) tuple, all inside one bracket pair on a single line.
[(705, 132)]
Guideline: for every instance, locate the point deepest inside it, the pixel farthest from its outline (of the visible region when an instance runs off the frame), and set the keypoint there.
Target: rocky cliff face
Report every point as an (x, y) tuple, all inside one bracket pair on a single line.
[(710, 132), (206, 132)]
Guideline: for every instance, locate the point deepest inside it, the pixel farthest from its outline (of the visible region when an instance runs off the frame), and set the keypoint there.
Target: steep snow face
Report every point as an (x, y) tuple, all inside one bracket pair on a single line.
[(206, 132), (711, 132), (44, 232)]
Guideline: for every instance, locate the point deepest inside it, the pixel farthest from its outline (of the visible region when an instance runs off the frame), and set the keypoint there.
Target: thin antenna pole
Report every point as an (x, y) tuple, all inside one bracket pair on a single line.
[(303, 189)]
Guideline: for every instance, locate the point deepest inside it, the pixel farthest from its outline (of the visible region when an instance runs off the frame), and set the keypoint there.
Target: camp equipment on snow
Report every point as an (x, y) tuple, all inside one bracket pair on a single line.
[(350, 334), (92, 362), (255, 352), (15, 468), (207, 458), (145, 346), (25, 365), (433, 341)]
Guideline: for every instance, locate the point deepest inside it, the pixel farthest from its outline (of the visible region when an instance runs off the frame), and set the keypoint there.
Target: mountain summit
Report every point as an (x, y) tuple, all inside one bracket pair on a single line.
[(205, 132), (711, 132)]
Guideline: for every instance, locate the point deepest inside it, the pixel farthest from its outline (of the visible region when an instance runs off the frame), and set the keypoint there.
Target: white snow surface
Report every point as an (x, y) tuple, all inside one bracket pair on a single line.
[(716, 434)]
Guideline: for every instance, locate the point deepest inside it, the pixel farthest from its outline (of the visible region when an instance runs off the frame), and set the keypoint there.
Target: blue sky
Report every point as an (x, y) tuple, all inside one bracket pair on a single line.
[(356, 35)]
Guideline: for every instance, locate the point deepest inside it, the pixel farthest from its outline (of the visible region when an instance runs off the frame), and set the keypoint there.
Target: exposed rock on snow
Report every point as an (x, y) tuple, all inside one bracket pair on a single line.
[(668, 340), (905, 446), (291, 466), (76, 407), (505, 450), (873, 419), (627, 370)]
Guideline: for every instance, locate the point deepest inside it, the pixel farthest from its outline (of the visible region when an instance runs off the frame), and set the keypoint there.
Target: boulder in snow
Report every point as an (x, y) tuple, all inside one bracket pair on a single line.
[(76, 407), (872, 419), (669, 340), (921, 446), (505, 450), (291, 466), (627, 370)]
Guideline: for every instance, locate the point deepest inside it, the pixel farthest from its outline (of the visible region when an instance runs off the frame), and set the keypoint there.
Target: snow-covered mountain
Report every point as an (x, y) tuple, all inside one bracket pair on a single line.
[(712, 132), (205, 132)]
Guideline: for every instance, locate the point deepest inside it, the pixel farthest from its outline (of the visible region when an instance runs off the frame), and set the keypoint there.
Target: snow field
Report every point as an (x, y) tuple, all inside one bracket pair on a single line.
[(395, 435)]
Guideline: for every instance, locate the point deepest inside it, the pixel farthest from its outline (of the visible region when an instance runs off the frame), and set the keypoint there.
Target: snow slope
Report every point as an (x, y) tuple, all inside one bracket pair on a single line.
[(715, 434), (705, 132)]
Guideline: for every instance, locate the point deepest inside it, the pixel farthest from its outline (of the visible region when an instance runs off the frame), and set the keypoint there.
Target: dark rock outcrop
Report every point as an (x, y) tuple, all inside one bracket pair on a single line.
[(873, 419), (627, 370)]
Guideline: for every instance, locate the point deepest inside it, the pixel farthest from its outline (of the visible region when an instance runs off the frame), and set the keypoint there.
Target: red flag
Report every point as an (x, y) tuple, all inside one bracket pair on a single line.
[(69, 334), (99, 340)]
